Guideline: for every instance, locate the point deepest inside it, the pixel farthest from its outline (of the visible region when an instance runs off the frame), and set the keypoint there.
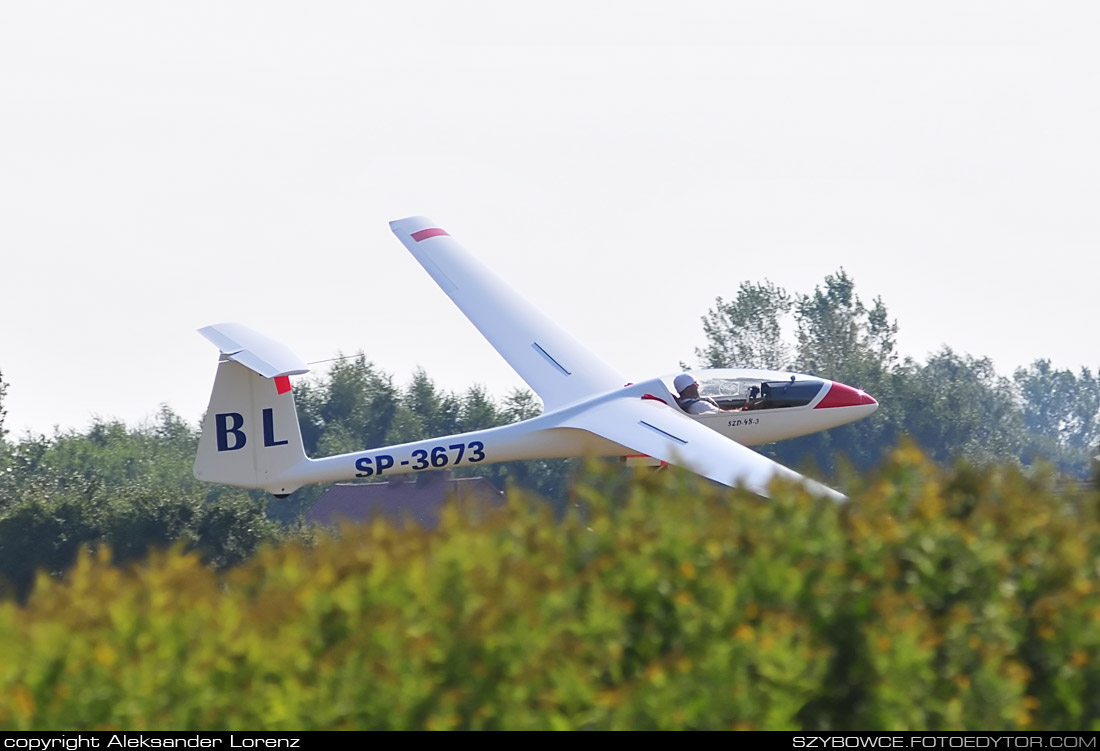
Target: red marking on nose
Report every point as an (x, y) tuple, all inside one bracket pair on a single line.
[(282, 384), (424, 234), (654, 398), (844, 396)]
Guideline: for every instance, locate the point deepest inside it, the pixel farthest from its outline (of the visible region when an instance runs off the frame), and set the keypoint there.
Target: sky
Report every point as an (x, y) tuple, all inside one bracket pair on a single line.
[(166, 165)]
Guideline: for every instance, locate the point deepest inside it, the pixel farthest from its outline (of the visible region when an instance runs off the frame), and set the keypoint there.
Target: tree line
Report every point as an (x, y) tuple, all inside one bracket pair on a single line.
[(131, 487), (953, 405)]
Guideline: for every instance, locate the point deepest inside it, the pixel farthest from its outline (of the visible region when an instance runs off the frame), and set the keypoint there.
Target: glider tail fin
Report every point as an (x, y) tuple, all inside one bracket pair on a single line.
[(250, 434)]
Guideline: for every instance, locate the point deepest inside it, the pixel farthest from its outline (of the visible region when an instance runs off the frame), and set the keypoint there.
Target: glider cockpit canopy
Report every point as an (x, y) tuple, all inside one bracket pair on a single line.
[(757, 389)]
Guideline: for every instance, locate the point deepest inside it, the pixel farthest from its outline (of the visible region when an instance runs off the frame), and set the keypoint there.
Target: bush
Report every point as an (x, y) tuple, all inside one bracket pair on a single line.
[(932, 600)]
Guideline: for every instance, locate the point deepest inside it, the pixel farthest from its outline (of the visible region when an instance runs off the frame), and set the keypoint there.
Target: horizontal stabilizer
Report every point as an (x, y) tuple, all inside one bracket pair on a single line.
[(255, 351)]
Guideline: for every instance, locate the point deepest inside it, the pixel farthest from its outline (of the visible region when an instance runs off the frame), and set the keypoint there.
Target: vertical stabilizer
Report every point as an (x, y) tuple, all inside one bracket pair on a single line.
[(250, 435)]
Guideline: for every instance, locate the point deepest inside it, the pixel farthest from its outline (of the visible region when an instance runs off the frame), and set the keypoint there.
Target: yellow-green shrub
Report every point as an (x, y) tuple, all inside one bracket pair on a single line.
[(966, 599)]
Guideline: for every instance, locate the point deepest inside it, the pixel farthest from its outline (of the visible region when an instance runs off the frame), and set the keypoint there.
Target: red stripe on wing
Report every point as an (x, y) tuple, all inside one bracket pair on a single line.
[(424, 234)]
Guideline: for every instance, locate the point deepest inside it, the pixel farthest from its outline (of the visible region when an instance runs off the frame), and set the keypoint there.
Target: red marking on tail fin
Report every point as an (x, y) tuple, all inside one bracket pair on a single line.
[(282, 384), (424, 234)]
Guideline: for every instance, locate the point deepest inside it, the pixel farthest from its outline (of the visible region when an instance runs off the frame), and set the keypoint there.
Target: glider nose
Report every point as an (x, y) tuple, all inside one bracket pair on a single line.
[(840, 395)]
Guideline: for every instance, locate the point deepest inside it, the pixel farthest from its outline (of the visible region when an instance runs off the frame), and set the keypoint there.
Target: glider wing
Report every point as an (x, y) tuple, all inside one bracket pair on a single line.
[(653, 428), (552, 362)]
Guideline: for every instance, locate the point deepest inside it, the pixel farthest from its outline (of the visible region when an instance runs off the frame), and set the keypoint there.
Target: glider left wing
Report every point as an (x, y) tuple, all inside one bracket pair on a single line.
[(551, 361), (653, 428)]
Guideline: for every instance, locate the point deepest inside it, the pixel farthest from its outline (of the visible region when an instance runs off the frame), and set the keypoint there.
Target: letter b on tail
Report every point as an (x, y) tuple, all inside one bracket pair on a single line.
[(228, 425)]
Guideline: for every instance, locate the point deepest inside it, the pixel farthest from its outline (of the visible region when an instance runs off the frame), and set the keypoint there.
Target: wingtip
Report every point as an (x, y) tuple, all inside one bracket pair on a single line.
[(824, 491), (410, 224)]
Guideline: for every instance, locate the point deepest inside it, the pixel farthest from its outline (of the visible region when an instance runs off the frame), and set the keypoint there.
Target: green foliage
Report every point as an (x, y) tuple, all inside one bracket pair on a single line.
[(3, 412), (960, 407), (133, 488), (1062, 410), (837, 333), (932, 600), (45, 532), (130, 488), (744, 332), (952, 406), (108, 456), (353, 407)]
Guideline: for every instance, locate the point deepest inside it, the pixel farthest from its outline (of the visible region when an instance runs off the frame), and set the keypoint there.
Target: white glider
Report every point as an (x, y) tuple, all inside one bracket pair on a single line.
[(251, 437)]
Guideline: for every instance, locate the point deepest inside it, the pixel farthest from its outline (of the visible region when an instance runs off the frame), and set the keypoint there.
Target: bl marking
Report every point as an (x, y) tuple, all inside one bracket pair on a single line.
[(231, 436)]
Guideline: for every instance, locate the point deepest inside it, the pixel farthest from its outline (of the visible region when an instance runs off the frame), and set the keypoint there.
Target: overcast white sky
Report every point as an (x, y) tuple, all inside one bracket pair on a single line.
[(164, 166)]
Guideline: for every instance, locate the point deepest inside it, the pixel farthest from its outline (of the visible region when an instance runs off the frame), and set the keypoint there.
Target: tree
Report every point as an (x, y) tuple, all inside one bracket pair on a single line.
[(746, 331), (424, 411), (837, 335), (350, 408), (957, 406), (1062, 411), (477, 410), (520, 404), (3, 412), (952, 406), (131, 489)]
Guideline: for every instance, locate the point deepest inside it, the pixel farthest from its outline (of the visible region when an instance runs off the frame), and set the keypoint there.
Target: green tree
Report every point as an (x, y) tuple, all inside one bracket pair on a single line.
[(109, 456), (952, 406), (838, 335), (957, 406), (3, 412), (1062, 411), (131, 489), (840, 338), (43, 533), (477, 410), (746, 331), (424, 411), (350, 408), (519, 405)]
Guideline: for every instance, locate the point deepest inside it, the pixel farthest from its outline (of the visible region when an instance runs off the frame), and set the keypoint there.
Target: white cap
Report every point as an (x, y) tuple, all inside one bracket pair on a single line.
[(682, 381)]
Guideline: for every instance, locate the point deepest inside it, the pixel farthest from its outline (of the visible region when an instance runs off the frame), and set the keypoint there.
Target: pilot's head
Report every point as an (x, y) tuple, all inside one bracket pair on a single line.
[(683, 382)]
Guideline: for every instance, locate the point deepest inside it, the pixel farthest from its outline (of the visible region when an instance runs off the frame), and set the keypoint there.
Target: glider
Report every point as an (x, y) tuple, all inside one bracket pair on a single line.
[(251, 436)]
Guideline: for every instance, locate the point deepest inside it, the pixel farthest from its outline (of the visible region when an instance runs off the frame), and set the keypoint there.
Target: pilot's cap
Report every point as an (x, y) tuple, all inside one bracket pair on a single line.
[(682, 381)]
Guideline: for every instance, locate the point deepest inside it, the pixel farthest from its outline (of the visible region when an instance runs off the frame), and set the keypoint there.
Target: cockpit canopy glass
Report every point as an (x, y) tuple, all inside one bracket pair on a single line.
[(757, 389)]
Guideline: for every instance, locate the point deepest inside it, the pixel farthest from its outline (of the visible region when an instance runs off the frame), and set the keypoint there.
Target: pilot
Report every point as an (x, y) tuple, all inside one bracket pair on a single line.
[(689, 400)]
